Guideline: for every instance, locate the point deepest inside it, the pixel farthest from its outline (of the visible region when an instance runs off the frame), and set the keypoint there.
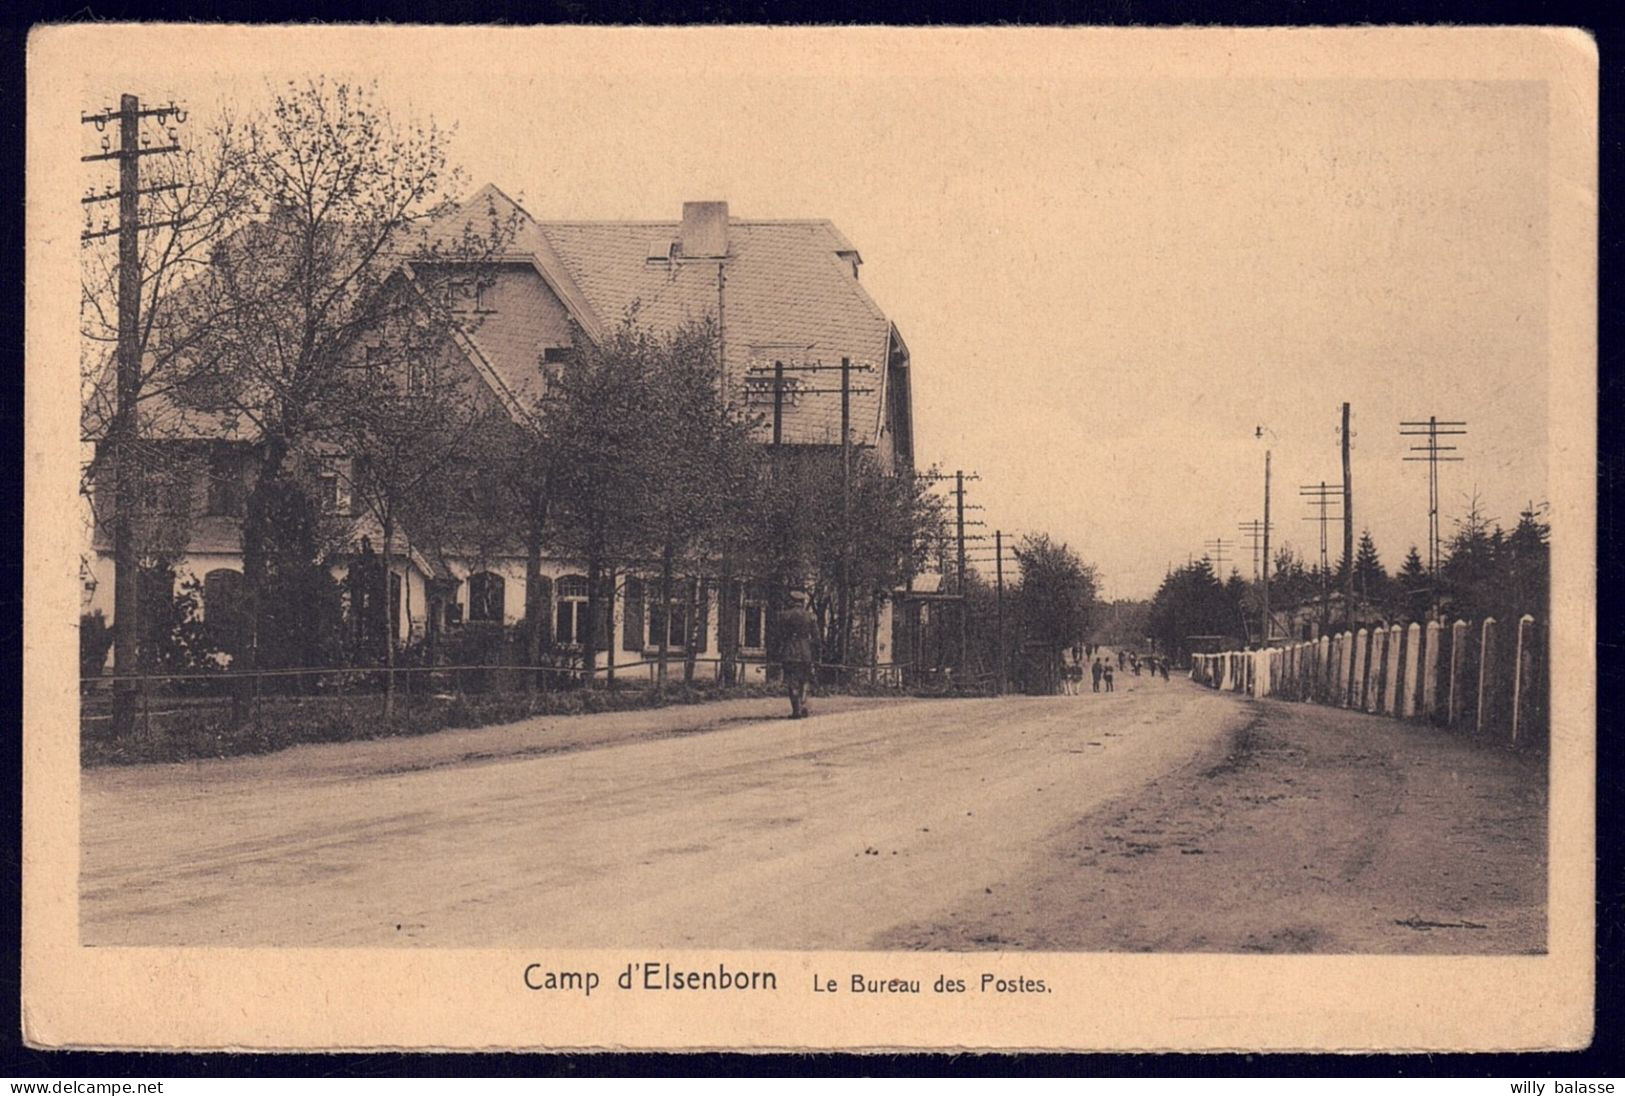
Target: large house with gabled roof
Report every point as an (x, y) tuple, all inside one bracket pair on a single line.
[(776, 289)]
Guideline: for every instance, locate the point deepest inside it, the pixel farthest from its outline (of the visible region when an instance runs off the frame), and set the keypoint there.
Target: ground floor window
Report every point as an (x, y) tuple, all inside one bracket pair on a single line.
[(572, 625), (753, 610), (222, 607), (486, 596), (670, 620)]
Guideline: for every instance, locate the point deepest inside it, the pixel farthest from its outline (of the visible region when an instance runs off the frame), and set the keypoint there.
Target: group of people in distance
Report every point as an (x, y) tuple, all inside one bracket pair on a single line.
[(1101, 673)]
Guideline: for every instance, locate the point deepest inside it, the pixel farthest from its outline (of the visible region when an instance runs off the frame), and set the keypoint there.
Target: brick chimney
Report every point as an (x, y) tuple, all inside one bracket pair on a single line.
[(705, 230)]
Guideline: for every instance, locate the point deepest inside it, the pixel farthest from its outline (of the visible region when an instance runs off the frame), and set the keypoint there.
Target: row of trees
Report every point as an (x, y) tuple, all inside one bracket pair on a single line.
[(1485, 571), (309, 298)]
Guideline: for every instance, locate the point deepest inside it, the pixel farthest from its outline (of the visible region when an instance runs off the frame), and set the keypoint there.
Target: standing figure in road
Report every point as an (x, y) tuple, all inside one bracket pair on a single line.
[(1120, 659), (1162, 664), (798, 638), (1094, 675), (1108, 677)]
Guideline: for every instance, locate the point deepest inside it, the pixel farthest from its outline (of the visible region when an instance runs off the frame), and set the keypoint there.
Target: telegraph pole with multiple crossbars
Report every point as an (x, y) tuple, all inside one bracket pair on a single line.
[(1254, 530), (121, 436), (1322, 498), (1433, 429), (782, 386)]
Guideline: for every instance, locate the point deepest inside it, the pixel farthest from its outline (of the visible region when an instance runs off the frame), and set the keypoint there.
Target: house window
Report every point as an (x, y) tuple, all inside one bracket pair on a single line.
[(222, 607), (327, 487), (556, 355), (753, 608), (224, 497), (159, 493), (486, 597), (670, 620), (572, 623), (469, 295)]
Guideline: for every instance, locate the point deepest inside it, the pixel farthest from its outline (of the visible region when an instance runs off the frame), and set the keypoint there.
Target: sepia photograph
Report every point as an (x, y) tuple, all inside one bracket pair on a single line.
[(918, 521)]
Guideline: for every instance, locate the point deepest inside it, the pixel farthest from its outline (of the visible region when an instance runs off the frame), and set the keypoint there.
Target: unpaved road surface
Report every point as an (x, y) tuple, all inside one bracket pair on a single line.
[(1310, 830), (750, 831), (1162, 817)]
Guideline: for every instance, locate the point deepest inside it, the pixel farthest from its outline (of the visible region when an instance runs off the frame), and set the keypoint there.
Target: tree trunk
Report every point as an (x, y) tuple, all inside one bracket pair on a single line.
[(727, 622), (389, 625), (697, 592), (595, 597), (666, 555), (126, 583), (533, 609), (255, 572)]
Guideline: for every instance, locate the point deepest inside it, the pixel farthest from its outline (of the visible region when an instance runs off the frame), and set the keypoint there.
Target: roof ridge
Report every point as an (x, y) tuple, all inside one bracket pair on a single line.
[(583, 222)]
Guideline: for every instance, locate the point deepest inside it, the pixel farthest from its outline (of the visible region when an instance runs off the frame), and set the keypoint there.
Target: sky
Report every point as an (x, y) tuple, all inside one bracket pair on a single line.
[(1109, 285)]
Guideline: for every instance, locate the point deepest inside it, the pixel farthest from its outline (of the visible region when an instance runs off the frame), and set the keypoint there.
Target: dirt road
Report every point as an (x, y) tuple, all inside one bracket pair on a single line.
[(1163, 817), (717, 826), (1310, 830)]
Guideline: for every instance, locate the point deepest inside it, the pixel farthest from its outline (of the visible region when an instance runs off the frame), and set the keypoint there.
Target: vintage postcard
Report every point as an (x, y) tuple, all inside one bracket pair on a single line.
[(810, 538)]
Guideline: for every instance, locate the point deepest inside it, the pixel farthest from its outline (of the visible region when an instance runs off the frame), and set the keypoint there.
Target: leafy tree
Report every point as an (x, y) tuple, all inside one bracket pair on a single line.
[(796, 533), (1055, 601), (700, 470), (603, 429)]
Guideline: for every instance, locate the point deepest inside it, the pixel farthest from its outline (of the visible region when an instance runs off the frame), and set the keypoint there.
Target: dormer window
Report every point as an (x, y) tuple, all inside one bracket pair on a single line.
[(468, 295)]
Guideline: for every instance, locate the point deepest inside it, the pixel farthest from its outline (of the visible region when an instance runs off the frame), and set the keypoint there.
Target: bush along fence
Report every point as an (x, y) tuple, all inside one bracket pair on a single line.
[(221, 714), (1488, 678)]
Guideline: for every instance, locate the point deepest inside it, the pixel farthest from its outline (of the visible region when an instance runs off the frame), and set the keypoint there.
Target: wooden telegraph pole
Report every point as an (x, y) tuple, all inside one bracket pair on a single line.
[(122, 436)]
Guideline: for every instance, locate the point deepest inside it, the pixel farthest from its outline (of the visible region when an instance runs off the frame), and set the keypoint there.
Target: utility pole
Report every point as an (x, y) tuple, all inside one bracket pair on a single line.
[(1266, 591), (1217, 547), (845, 604), (960, 479), (964, 603), (998, 565), (122, 436), (1255, 532), (1348, 525), (778, 407), (846, 391), (1433, 430), (1322, 498)]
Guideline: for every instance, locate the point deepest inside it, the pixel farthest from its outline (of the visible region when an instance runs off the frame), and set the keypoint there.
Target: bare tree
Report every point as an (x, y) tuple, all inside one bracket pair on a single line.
[(191, 201), (403, 451), (341, 262)]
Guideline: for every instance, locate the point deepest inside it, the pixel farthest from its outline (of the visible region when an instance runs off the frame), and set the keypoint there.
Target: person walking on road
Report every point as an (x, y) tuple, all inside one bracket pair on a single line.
[(798, 632), (1108, 677), (1094, 674), (1162, 665)]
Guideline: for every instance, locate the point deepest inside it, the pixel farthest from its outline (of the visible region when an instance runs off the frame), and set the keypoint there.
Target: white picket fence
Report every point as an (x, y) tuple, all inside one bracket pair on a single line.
[(1454, 675)]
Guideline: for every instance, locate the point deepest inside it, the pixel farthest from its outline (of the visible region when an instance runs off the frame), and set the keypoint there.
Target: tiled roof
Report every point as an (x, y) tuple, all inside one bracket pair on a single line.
[(786, 294)]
